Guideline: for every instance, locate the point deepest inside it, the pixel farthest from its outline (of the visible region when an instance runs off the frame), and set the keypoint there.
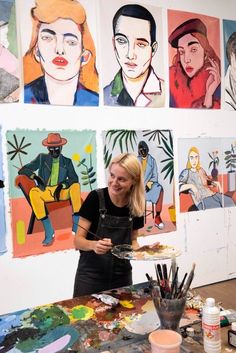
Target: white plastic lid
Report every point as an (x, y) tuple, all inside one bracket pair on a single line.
[(233, 326), (210, 302)]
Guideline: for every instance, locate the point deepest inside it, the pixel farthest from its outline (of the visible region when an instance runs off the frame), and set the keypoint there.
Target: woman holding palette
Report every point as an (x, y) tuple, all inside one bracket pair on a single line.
[(110, 216)]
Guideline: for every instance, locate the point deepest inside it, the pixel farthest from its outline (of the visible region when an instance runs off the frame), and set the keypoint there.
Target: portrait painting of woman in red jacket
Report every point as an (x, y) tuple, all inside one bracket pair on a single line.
[(195, 69)]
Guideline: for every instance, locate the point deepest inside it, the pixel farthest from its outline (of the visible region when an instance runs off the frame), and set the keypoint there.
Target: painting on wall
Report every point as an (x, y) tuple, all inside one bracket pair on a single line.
[(50, 173), (207, 169), (229, 33), (132, 55), (9, 63), (154, 149), (59, 52), (2, 207), (194, 60)]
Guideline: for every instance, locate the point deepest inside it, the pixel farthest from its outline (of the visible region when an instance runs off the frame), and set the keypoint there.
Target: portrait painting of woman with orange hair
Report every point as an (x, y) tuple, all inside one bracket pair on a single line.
[(60, 63)]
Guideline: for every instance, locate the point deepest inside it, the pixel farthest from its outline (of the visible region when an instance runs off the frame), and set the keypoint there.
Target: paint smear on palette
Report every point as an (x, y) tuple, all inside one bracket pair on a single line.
[(144, 323), (56, 346), (62, 337), (82, 312)]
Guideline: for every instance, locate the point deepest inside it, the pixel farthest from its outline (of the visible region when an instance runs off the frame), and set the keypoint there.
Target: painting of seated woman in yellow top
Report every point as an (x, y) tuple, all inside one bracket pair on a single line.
[(60, 60)]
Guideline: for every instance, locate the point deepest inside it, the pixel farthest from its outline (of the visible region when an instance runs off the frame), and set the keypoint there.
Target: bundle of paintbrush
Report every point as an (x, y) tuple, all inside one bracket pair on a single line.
[(167, 284)]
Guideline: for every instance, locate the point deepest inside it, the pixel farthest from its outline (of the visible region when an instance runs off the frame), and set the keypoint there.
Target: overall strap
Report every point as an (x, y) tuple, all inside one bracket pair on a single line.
[(102, 207)]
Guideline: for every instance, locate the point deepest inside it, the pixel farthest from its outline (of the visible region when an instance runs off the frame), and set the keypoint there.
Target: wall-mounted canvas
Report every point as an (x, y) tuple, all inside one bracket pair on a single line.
[(50, 174), (207, 170), (229, 32), (132, 54), (59, 52), (154, 149), (194, 60), (2, 204), (9, 63)]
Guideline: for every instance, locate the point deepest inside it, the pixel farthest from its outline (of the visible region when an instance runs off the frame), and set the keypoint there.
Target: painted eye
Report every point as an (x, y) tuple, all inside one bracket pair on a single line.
[(142, 45), (121, 40), (46, 37), (72, 42)]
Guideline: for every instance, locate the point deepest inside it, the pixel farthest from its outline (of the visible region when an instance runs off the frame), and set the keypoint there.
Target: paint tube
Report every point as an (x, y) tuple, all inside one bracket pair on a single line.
[(106, 299)]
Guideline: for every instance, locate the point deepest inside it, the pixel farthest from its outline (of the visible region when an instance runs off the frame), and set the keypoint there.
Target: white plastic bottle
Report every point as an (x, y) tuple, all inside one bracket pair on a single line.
[(211, 327)]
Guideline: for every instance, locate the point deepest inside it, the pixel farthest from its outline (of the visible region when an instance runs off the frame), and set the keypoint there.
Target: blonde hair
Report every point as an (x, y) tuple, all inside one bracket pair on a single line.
[(47, 12), (195, 150), (133, 167)]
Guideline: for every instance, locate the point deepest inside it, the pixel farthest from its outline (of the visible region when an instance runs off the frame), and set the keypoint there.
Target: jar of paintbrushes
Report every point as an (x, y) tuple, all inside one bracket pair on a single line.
[(169, 294)]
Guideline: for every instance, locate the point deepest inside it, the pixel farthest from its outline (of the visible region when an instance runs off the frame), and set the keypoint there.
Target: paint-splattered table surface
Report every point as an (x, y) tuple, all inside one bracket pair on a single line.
[(84, 324), (88, 324)]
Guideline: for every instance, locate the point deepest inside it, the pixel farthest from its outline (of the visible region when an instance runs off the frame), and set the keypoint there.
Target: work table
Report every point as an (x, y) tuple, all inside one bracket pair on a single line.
[(88, 324)]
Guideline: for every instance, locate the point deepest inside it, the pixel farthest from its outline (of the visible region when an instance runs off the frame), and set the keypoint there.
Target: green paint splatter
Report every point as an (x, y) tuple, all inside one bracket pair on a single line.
[(48, 317), (82, 312)]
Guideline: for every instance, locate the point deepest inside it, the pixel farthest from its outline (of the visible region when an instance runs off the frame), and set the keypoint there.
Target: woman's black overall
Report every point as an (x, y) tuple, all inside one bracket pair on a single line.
[(97, 273)]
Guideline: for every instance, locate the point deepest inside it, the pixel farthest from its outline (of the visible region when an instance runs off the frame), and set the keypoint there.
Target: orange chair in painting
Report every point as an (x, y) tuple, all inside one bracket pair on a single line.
[(26, 184)]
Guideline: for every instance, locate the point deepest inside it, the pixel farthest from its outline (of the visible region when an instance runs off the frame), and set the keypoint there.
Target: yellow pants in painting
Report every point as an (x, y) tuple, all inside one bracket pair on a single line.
[(39, 197)]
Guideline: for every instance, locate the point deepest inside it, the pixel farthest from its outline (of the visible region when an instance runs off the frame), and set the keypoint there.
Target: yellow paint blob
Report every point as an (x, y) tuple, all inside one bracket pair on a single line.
[(127, 304), (20, 232)]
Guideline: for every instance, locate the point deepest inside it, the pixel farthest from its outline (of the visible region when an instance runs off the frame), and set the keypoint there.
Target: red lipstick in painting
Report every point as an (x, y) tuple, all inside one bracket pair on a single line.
[(60, 61), (189, 69)]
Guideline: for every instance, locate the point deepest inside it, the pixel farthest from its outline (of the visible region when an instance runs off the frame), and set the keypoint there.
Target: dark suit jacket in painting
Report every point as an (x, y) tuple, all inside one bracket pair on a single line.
[(43, 163)]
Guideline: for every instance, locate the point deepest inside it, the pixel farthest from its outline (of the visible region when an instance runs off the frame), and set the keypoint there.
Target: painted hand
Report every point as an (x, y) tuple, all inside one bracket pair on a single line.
[(212, 83), (57, 191)]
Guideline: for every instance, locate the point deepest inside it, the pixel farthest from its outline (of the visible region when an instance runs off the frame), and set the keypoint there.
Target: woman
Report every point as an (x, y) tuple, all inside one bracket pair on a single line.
[(115, 214), (195, 73), (195, 180), (60, 63)]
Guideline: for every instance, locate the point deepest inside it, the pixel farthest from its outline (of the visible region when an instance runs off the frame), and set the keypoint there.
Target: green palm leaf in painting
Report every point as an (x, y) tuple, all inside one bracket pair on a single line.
[(124, 139)]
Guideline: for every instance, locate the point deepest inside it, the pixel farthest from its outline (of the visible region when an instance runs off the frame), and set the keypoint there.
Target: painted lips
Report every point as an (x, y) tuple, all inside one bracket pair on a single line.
[(60, 61), (130, 65), (189, 69)]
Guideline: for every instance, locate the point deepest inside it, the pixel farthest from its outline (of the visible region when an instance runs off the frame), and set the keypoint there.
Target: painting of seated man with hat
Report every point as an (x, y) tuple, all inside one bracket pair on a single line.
[(56, 180)]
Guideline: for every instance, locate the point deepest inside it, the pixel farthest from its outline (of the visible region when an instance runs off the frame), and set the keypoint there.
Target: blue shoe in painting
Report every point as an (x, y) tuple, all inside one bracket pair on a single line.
[(75, 220), (49, 231)]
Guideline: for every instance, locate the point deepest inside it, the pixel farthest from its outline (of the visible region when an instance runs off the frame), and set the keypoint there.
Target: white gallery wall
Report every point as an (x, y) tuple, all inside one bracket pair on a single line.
[(206, 238)]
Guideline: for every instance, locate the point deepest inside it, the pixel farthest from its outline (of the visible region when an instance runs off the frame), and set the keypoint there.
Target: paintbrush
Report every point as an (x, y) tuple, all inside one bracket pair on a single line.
[(165, 280), (173, 284), (178, 293), (160, 272), (189, 280), (89, 231), (173, 267)]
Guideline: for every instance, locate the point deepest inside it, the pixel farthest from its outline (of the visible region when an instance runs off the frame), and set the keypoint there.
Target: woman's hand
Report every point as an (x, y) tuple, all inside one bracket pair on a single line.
[(102, 246), (212, 83)]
